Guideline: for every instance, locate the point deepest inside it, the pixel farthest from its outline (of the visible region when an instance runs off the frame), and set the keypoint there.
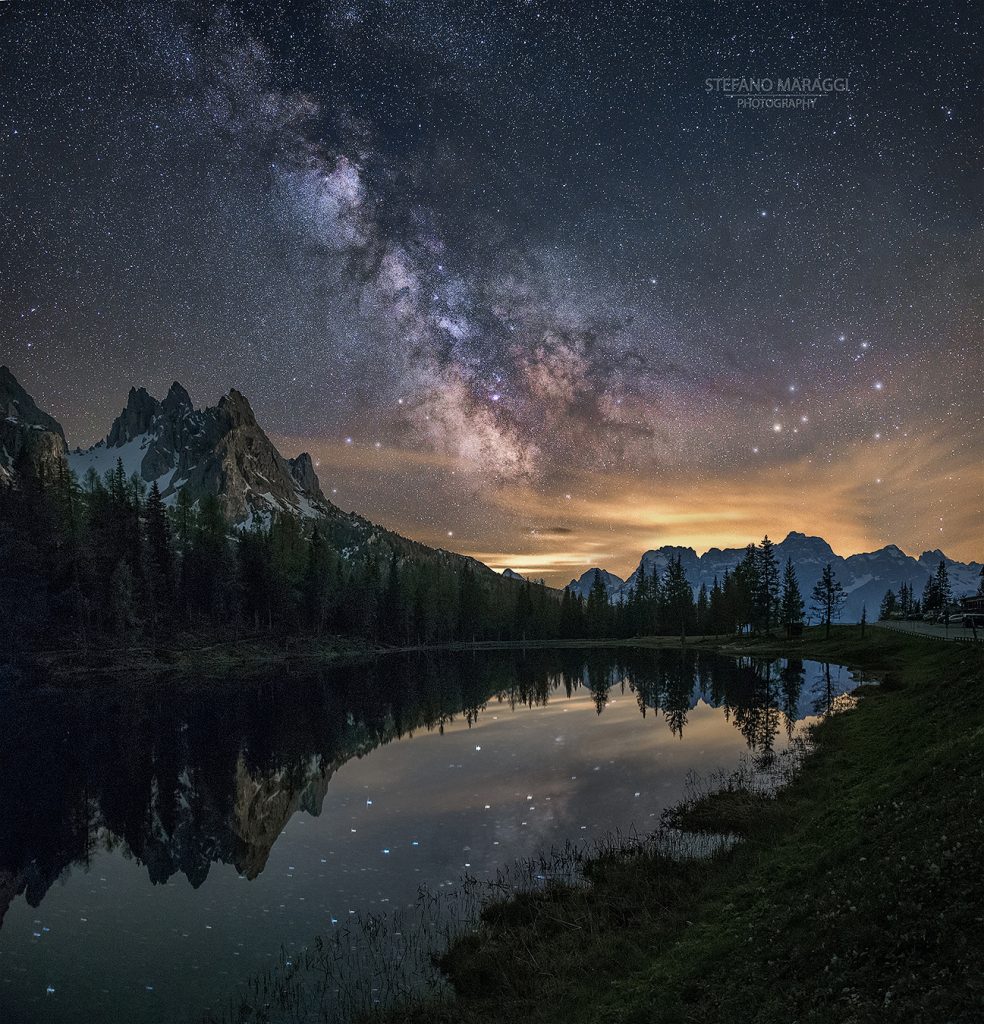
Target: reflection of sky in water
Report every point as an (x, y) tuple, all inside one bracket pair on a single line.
[(423, 809)]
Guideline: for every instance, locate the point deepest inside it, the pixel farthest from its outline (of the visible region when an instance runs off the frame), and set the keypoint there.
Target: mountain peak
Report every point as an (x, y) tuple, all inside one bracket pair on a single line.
[(801, 542), (178, 400), (235, 405), (933, 557), (135, 419), (302, 470), (219, 450), (585, 581), (511, 574)]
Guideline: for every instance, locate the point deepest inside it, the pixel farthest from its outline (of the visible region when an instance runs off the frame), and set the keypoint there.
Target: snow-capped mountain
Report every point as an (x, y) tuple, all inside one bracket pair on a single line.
[(220, 450), (511, 574), (865, 577), (582, 586)]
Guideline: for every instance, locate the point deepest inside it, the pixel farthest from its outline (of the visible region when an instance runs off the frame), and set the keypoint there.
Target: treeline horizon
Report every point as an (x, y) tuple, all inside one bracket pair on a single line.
[(106, 559)]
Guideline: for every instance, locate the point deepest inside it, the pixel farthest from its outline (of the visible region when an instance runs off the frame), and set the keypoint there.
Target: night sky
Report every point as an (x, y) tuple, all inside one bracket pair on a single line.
[(522, 285)]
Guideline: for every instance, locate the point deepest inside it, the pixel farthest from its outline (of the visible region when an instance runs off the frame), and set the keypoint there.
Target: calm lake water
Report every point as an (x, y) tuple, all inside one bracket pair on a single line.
[(159, 844)]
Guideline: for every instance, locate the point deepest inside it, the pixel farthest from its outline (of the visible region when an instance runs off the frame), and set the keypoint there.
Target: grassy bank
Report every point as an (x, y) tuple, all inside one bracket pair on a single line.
[(857, 894)]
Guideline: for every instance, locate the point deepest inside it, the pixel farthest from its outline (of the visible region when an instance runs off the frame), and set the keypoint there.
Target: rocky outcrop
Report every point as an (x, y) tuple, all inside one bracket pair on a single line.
[(136, 418), (177, 402), (27, 431), (302, 470), (220, 451)]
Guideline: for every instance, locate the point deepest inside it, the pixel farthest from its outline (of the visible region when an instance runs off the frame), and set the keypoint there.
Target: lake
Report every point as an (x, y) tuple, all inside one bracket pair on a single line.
[(161, 843)]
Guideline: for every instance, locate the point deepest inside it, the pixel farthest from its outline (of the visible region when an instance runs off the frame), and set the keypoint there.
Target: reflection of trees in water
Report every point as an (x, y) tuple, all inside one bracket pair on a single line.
[(824, 691), (791, 676), (181, 776)]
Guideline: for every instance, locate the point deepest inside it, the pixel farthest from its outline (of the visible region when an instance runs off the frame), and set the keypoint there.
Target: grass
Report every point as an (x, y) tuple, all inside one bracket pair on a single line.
[(856, 895)]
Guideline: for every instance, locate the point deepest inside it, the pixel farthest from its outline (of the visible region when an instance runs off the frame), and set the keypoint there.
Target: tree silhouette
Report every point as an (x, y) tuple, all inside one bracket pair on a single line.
[(828, 597), (791, 603), (766, 599)]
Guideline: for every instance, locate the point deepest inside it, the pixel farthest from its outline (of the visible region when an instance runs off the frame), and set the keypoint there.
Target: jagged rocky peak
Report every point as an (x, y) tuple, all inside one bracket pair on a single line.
[(933, 558), (136, 418), (236, 410), (178, 401), (142, 412), (302, 470), (220, 450)]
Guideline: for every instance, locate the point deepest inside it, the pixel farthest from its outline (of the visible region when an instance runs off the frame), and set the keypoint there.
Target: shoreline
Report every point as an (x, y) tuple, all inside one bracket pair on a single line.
[(854, 895), (206, 657)]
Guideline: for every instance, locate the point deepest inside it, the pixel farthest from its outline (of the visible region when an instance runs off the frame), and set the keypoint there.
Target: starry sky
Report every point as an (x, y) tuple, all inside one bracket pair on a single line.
[(523, 281)]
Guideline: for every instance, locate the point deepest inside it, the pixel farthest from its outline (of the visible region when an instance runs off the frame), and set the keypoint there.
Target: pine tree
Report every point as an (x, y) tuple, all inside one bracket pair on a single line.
[(390, 606), (943, 589), (744, 585), (679, 596), (703, 608), (791, 603), (121, 597), (931, 598), (828, 597), (715, 610), (598, 609), (888, 605), (766, 599), (160, 556), (319, 582)]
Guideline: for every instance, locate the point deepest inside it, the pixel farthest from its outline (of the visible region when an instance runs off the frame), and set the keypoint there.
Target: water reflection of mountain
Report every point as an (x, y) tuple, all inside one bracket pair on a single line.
[(182, 776)]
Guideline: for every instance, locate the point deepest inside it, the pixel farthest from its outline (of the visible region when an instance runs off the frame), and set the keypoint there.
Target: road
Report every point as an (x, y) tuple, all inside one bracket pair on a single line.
[(932, 629)]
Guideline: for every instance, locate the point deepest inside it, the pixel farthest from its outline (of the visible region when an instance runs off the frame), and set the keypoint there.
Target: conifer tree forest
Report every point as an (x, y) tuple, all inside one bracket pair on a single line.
[(105, 562)]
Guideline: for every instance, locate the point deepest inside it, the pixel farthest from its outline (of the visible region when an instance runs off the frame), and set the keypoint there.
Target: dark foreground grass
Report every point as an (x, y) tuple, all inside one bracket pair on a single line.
[(856, 895)]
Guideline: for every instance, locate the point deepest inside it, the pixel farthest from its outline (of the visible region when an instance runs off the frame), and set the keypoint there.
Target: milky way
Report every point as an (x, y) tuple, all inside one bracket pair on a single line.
[(521, 281)]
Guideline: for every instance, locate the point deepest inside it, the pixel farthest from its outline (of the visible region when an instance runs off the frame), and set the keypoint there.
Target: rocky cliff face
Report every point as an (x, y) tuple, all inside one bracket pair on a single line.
[(27, 431), (219, 451)]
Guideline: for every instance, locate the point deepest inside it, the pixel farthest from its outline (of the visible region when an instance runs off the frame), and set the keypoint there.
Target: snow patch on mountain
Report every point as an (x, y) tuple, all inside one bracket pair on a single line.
[(220, 451)]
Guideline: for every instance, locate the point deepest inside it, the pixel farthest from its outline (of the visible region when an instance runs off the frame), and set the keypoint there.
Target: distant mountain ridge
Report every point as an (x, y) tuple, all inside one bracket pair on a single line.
[(865, 576), (583, 584)]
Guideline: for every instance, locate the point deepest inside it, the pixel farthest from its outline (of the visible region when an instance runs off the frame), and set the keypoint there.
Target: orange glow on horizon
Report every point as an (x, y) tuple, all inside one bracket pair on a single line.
[(558, 528)]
